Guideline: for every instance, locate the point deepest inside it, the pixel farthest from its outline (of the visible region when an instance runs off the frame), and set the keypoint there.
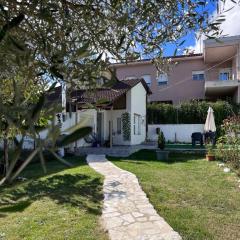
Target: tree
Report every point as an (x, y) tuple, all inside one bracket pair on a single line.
[(74, 41)]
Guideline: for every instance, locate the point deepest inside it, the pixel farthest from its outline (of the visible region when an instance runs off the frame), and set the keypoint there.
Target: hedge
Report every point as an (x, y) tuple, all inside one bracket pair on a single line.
[(191, 112)]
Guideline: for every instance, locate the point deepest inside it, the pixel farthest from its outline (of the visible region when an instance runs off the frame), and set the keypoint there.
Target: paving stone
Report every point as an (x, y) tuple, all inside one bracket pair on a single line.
[(127, 213), (137, 214)]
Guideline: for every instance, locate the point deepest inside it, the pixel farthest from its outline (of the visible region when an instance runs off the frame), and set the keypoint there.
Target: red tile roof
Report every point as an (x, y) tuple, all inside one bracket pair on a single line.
[(108, 95), (101, 96)]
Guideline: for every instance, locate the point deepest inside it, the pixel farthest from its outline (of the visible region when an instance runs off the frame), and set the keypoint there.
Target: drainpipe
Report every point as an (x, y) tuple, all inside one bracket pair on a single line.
[(111, 129)]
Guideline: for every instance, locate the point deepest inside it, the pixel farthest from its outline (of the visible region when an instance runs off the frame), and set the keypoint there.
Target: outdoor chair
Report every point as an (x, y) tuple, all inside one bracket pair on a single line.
[(210, 137), (197, 137), (92, 139)]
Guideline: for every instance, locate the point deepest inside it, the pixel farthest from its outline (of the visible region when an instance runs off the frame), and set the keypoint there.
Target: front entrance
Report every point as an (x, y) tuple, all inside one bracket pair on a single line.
[(100, 127)]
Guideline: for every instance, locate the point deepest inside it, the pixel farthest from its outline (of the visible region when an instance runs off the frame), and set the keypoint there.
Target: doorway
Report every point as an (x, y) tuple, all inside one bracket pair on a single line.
[(100, 127)]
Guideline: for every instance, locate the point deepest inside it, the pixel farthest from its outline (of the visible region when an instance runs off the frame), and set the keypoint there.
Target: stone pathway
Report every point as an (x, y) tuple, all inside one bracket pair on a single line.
[(127, 213)]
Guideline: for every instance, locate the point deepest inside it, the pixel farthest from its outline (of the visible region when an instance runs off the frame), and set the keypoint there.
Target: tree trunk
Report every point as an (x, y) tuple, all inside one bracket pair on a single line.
[(5, 154)]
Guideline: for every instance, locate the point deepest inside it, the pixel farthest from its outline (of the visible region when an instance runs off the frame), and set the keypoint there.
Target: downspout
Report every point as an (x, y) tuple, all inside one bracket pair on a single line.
[(111, 129)]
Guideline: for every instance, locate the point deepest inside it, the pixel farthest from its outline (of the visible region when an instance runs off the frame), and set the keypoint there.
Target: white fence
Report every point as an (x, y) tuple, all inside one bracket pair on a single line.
[(85, 118), (174, 132)]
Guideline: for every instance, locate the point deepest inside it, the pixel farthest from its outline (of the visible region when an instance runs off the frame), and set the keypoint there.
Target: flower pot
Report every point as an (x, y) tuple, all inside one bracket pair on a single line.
[(210, 157), (162, 155)]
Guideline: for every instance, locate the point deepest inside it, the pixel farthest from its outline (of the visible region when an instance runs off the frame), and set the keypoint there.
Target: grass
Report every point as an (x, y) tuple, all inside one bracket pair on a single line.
[(194, 196), (65, 204), (183, 146)]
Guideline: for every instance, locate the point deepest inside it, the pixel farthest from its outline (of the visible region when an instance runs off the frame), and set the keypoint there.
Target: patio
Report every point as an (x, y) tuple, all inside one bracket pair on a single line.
[(125, 151)]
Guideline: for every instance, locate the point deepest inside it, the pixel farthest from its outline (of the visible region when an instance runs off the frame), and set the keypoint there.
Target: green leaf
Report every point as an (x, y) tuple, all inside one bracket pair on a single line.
[(17, 45), (55, 72), (98, 58), (52, 86), (8, 26), (83, 51), (74, 136), (38, 107)]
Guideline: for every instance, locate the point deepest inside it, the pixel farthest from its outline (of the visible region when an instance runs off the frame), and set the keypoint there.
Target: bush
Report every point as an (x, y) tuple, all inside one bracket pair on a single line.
[(161, 140), (228, 146), (194, 112)]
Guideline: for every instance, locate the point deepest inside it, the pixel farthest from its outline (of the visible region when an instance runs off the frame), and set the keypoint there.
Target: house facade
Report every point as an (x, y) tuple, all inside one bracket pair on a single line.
[(212, 75), (117, 115)]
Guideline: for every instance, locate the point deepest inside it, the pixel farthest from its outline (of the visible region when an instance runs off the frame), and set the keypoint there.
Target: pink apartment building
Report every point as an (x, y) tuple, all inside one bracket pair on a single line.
[(212, 75)]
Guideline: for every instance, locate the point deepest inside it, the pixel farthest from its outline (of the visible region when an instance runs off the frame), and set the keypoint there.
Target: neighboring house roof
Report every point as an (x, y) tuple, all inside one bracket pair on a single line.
[(99, 95), (108, 95), (182, 57)]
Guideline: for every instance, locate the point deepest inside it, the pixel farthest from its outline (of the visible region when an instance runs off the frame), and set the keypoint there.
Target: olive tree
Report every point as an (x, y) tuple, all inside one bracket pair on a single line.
[(72, 42)]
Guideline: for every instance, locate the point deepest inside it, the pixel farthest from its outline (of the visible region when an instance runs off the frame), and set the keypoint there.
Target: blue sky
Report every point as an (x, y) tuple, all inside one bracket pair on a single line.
[(189, 39)]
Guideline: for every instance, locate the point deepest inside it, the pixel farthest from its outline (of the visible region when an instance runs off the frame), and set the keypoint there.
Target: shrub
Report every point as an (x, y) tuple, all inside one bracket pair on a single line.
[(161, 140), (228, 145), (126, 126), (194, 112)]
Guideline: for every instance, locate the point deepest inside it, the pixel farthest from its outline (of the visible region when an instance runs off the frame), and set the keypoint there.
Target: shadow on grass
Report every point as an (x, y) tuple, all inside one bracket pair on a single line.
[(150, 155), (35, 171), (75, 189), (78, 190)]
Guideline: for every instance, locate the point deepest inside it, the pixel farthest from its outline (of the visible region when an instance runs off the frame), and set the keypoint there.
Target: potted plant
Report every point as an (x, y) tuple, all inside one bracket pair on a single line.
[(210, 155), (161, 153)]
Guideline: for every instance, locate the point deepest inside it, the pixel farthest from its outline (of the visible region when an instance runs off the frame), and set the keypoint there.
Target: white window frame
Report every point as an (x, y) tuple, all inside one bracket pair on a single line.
[(198, 73), (119, 125), (162, 79), (137, 124), (227, 71), (147, 78)]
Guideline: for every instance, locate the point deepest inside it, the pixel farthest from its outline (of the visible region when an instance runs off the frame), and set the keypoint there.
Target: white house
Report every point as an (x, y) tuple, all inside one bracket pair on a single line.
[(117, 115)]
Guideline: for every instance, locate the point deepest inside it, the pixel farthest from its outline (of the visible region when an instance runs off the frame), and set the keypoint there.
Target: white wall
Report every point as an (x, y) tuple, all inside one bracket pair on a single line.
[(138, 106), (84, 118), (136, 103), (174, 132), (112, 116)]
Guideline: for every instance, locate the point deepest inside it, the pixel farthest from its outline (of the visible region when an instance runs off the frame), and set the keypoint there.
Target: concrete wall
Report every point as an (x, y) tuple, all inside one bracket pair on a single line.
[(174, 132), (138, 106), (180, 85)]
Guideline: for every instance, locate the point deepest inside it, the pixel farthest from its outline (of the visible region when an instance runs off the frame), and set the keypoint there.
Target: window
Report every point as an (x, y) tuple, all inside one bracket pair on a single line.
[(137, 124), (147, 79), (198, 75), (225, 74), (162, 79), (119, 125)]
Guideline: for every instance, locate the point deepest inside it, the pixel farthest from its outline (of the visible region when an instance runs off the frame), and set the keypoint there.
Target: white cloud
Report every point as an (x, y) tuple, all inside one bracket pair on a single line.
[(230, 26)]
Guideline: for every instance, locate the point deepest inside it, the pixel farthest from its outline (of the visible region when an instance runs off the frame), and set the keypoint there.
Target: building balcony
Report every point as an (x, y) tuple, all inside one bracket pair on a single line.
[(221, 87)]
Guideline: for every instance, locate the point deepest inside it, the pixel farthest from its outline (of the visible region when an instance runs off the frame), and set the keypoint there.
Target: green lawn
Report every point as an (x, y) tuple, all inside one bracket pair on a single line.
[(65, 204), (195, 197), (183, 146)]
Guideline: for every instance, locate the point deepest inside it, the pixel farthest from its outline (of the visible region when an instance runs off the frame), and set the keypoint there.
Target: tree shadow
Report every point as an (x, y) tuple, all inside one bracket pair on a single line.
[(78, 190), (34, 170)]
